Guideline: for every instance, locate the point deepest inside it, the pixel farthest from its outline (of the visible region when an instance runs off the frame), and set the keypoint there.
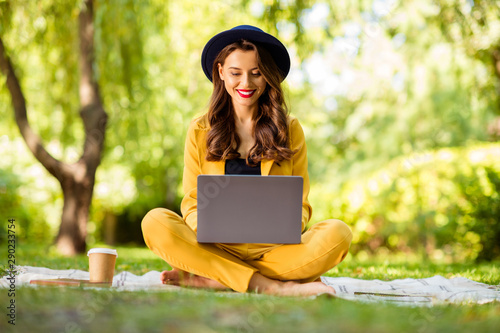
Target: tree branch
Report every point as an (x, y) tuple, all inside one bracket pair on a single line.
[(88, 89), (92, 112), (33, 141)]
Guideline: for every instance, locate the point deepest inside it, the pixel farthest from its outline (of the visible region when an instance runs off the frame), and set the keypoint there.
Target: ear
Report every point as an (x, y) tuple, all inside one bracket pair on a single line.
[(221, 73)]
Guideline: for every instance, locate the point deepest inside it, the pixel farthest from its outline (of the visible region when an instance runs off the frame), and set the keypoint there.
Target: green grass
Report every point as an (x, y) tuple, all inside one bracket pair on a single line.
[(57, 309)]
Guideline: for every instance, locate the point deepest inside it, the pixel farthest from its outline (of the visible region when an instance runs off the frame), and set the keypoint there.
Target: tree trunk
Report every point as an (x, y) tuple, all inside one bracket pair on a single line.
[(77, 180), (109, 228), (494, 127), (73, 228)]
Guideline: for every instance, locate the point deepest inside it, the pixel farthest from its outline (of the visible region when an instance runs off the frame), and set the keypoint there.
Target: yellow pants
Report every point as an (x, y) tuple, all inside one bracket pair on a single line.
[(323, 246)]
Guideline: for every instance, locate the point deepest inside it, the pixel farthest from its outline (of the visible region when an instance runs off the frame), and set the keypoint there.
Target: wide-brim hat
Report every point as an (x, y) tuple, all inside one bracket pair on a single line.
[(248, 32)]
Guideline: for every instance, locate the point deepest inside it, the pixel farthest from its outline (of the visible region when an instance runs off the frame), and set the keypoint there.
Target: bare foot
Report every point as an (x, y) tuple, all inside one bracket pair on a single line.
[(182, 278), (262, 284), (302, 289)]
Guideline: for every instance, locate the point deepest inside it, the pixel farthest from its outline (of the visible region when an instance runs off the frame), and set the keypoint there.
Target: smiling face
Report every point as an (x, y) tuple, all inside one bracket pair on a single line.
[(242, 78)]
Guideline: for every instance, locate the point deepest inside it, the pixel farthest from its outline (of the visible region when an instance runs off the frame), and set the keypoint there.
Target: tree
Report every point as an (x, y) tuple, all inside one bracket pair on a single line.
[(473, 25), (77, 179)]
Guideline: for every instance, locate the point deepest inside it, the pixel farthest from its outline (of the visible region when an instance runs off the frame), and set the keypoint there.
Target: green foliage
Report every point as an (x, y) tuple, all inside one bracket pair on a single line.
[(5, 16), (483, 195), (28, 206), (390, 83), (444, 204), (10, 204), (371, 81)]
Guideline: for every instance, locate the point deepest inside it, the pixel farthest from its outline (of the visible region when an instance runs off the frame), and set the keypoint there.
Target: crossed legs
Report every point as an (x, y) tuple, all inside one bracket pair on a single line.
[(283, 270)]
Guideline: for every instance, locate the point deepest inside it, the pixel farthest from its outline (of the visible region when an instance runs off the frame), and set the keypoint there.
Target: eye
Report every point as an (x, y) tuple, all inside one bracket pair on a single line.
[(235, 74), (256, 74)]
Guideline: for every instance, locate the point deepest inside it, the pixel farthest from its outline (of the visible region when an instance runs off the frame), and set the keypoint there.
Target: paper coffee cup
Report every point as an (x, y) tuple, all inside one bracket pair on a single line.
[(102, 264)]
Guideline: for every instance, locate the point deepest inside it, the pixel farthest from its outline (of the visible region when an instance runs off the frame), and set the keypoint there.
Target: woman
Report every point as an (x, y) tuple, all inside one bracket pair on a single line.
[(245, 131)]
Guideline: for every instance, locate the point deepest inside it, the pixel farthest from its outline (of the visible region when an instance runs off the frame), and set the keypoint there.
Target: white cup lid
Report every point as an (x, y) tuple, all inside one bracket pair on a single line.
[(102, 250)]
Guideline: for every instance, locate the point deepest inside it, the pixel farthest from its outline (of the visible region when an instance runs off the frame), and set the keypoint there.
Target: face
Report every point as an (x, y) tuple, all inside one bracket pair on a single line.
[(242, 78)]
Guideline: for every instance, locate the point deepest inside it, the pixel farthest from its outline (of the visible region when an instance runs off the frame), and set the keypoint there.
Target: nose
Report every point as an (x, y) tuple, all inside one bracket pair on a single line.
[(246, 80)]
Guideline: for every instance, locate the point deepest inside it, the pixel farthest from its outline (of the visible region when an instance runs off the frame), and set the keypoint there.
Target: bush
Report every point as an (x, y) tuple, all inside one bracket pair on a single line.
[(28, 194), (443, 204), (12, 206)]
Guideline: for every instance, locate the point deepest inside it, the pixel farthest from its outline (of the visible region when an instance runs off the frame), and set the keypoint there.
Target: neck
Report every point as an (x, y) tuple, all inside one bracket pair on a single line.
[(244, 114)]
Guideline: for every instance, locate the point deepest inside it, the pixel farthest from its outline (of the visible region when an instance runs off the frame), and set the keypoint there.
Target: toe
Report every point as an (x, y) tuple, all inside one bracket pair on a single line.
[(167, 276)]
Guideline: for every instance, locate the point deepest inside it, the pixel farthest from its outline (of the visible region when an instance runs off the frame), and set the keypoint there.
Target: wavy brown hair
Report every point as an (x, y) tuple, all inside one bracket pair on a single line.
[(270, 130)]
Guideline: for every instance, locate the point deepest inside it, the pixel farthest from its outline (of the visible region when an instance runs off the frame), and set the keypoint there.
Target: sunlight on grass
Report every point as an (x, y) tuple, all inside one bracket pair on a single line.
[(398, 267), (140, 260), (230, 312)]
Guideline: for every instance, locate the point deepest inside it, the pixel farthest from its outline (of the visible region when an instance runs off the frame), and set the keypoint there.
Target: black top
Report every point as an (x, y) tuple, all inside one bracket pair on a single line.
[(239, 166)]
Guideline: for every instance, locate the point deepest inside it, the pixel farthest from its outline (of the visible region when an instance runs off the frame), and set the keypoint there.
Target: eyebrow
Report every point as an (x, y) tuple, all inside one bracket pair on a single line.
[(240, 68)]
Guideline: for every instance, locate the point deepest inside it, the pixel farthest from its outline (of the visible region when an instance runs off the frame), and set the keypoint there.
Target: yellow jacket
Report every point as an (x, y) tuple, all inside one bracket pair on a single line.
[(195, 164)]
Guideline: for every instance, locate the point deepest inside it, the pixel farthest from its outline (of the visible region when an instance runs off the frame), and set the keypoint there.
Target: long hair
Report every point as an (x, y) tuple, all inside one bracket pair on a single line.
[(271, 129)]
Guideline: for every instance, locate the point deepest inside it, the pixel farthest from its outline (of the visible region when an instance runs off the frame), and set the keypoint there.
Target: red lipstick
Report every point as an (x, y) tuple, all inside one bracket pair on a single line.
[(245, 93)]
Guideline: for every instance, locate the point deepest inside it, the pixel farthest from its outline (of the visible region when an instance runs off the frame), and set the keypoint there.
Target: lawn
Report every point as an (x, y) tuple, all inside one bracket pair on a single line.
[(57, 309)]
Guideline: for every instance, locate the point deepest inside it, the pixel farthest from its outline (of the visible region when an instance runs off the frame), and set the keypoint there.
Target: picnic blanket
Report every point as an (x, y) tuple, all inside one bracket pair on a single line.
[(411, 292)]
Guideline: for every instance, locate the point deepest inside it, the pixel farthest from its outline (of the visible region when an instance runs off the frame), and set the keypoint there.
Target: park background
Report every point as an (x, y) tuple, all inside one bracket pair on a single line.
[(399, 101)]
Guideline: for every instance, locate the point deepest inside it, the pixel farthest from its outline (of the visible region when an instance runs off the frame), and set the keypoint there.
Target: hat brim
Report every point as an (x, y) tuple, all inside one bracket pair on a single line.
[(221, 40)]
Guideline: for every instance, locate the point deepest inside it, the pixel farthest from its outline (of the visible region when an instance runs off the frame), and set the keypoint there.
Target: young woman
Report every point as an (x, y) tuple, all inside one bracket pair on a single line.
[(246, 131)]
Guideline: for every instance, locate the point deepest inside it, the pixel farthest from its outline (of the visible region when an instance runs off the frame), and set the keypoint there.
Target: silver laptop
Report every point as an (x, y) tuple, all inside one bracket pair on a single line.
[(249, 209)]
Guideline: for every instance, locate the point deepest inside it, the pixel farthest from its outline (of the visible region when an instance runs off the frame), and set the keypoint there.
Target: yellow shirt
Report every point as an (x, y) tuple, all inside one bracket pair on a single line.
[(196, 164)]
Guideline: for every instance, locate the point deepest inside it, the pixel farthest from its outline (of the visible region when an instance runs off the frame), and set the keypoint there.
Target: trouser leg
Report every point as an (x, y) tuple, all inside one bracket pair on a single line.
[(323, 247), (168, 236)]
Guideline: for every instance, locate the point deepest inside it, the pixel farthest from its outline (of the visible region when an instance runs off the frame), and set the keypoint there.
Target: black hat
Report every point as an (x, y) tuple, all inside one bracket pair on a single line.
[(248, 32)]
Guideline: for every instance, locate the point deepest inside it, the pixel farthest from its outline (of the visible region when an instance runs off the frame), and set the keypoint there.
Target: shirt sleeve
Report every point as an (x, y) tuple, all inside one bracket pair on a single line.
[(299, 167), (191, 171)]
